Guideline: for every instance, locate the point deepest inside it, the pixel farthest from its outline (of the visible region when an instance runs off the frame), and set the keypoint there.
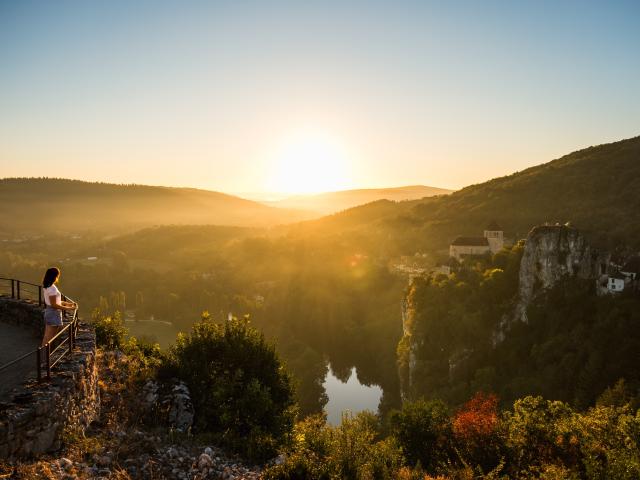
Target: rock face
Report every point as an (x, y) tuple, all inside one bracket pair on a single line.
[(170, 403), (552, 252), (408, 362), (181, 408)]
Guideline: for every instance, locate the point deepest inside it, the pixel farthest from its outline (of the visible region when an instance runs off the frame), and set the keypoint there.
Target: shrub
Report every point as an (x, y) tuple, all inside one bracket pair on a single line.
[(349, 451), (111, 334), (240, 389), (423, 429), (476, 429), (539, 432), (110, 331), (609, 440)]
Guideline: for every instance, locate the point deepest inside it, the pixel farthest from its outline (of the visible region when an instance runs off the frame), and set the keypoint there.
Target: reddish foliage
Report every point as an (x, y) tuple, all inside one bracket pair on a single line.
[(477, 418)]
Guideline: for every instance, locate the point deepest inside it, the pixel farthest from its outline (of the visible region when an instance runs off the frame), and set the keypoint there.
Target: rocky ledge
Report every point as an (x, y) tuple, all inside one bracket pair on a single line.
[(170, 461)]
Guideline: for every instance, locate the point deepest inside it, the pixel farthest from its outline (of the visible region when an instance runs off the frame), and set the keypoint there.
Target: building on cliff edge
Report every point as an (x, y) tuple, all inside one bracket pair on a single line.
[(491, 242)]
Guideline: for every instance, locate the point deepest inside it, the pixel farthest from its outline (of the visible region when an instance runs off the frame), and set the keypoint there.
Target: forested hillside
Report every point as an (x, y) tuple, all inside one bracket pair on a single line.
[(37, 205), (596, 189)]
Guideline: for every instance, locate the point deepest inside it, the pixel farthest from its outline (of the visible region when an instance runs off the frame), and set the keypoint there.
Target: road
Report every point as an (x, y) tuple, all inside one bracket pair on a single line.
[(16, 341)]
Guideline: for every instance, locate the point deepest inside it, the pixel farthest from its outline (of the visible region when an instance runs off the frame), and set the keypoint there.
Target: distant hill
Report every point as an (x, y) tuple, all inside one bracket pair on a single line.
[(596, 189), (332, 202), (40, 205)]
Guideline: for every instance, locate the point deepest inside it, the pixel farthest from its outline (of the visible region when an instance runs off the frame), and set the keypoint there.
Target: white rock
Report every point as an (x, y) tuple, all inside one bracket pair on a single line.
[(204, 461)]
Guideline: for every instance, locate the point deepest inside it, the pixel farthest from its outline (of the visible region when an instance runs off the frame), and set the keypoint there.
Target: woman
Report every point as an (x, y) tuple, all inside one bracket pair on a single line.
[(54, 305)]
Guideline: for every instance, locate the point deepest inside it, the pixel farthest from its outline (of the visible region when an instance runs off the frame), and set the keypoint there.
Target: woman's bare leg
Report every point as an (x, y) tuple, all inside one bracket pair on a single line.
[(50, 331)]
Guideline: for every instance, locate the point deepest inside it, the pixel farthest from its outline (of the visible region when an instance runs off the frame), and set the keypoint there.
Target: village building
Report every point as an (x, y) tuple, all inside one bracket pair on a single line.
[(625, 277), (491, 242), (616, 282)]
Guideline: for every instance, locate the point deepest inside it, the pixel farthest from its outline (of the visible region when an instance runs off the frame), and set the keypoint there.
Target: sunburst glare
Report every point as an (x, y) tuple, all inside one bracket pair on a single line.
[(309, 162)]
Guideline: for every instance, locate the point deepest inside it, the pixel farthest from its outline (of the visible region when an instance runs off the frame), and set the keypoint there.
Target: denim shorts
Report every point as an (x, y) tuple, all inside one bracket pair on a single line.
[(53, 317)]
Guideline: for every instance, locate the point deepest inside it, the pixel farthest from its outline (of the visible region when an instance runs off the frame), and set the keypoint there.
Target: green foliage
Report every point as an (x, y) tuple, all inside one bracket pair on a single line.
[(239, 386), (423, 430), (548, 436), (609, 440), (539, 432), (111, 333), (564, 351), (350, 451), (619, 395), (451, 321), (537, 439)]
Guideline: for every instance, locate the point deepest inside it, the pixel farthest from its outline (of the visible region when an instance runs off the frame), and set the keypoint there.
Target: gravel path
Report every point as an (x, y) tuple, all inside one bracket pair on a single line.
[(15, 341)]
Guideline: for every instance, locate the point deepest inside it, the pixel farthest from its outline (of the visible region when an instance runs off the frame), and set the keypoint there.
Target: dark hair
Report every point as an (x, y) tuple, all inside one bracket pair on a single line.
[(50, 276)]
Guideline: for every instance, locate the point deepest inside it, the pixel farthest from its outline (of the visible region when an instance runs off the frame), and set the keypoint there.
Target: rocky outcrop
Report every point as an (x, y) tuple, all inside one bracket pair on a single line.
[(159, 460), (407, 349), (552, 252), (170, 403)]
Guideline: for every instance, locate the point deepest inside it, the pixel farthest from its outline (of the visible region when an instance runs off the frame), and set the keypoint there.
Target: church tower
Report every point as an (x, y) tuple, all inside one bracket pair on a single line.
[(495, 236)]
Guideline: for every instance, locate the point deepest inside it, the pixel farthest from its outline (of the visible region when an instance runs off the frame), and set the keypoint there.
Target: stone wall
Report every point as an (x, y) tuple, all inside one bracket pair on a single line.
[(22, 312), (37, 415)]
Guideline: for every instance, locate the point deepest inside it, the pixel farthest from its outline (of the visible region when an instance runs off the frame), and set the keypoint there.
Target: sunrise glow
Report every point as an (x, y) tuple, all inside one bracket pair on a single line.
[(308, 162)]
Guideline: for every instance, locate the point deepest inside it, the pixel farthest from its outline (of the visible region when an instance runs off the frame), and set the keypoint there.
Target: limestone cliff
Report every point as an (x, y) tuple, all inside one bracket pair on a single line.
[(407, 347), (552, 252)]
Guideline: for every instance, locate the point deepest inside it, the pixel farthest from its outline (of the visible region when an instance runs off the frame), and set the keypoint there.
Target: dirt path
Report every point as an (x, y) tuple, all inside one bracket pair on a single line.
[(15, 341)]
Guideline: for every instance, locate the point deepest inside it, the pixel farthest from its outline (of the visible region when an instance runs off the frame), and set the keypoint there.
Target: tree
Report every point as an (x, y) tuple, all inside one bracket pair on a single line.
[(476, 431), (240, 388), (423, 429)]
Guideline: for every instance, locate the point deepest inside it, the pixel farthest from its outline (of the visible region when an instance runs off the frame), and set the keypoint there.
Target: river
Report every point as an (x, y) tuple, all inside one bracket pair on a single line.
[(350, 396)]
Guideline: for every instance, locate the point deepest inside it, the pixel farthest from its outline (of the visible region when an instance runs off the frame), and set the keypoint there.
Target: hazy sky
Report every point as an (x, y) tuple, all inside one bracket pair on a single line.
[(245, 96)]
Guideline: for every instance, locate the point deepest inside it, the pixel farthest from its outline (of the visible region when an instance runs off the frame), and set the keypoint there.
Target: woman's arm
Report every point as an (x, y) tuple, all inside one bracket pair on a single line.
[(53, 301)]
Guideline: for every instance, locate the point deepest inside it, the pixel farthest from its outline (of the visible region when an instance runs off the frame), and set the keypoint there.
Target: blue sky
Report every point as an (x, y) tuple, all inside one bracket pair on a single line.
[(211, 94)]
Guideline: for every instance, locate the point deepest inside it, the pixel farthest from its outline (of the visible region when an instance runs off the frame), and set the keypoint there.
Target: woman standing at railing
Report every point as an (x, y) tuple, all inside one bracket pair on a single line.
[(54, 304)]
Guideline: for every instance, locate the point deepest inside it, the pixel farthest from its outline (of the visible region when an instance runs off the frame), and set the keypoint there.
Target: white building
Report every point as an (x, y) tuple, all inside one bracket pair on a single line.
[(626, 277), (491, 242), (616, 283)]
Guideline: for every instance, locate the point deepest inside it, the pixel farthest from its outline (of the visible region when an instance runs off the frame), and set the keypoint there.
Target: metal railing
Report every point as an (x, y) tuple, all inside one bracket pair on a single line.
[(21, 290), (60, 346)]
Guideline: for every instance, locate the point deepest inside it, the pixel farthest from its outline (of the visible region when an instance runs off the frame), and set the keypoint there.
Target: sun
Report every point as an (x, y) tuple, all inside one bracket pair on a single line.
[(309, 162)]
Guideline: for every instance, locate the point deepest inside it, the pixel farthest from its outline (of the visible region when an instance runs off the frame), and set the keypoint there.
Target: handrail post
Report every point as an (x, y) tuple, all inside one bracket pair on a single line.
[(39, 364), (48, 354), (18, 289), (70, 340), (75, 327), (13, 288), (39, 295)]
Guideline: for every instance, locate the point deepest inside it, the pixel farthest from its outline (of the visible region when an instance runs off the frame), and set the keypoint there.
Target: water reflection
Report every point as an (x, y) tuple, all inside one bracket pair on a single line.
[(351, 395)]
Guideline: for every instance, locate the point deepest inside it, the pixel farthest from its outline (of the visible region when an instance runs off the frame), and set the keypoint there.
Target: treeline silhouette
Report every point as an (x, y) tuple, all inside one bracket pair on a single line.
[(36, 206)]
